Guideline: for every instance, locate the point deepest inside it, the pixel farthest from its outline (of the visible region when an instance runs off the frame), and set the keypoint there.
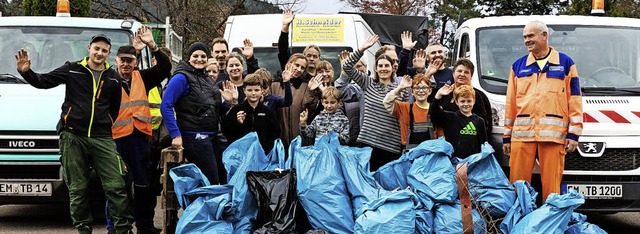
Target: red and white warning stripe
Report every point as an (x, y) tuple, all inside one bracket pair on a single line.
[(609, 116)]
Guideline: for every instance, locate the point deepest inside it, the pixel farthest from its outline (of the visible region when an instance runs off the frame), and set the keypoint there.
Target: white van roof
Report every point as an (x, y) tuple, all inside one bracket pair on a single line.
[(550, 20), (65, 22)]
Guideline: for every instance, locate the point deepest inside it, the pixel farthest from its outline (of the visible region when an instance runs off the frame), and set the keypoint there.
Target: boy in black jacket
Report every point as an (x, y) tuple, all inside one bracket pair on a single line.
[(252, 116), (463, 129)]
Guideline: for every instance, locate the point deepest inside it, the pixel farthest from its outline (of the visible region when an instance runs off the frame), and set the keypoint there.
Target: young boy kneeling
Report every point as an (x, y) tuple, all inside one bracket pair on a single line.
[(463, 129)]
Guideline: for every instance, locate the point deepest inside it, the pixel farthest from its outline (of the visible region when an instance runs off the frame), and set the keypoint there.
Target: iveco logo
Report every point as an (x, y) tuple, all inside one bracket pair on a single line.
[(591, 149), (22, 144)]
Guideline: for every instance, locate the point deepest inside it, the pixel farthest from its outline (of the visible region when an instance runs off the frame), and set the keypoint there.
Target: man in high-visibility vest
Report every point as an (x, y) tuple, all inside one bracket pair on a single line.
[(132, 129)]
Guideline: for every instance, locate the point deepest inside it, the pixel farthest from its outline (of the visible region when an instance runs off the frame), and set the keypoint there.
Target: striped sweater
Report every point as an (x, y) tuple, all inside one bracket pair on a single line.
[(379, 129)]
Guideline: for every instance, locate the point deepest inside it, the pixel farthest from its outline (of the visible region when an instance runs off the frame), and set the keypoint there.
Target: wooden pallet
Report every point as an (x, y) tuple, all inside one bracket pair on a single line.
[(170, 158)]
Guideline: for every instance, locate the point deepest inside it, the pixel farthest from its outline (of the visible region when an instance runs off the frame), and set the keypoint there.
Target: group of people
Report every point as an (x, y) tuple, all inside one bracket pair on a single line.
[(215, 97)]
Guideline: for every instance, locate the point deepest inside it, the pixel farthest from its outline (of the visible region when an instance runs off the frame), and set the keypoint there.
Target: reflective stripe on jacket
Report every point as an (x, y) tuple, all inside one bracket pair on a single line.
[(134, 110), (543, 105), (154, 107)]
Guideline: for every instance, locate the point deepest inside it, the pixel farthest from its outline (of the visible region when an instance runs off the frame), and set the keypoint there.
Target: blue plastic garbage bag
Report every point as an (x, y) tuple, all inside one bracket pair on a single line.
[(424, 221), (321, 186), (432, 176), (488, 185), (243, 155), (525, 203), (439, 146), (186, 178), (578, 225), (448, 219), (361, 186), (393, 175), (205, 213), (553, 216), (393, 213)]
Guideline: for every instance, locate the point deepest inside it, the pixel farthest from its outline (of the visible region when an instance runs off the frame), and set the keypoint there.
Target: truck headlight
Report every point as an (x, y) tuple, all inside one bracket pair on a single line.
[(497, 111)]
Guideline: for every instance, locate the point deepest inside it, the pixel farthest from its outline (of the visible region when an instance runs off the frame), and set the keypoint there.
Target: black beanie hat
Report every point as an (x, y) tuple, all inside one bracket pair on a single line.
[(197, 46)]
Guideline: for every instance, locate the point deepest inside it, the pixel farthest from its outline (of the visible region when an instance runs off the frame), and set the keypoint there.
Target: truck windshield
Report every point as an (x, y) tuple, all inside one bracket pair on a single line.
[(268, 58), (50, 47), (602, 61)]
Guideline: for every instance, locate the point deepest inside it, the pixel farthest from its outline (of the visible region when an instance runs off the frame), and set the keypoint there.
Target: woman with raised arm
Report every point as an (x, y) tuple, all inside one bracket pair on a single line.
[(377, 124), (299, 81)]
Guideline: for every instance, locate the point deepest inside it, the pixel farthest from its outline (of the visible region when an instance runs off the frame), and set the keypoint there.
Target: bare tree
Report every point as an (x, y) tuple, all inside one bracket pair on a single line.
[(195, 20), (11, 8), (398, 7)]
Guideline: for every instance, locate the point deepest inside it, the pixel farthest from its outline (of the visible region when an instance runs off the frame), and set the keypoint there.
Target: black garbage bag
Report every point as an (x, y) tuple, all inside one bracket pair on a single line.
[(278, 205)]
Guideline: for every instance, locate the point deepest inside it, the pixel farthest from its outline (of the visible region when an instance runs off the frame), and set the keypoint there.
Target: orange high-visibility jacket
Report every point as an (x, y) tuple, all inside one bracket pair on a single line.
[(134, 110), (543, 105)]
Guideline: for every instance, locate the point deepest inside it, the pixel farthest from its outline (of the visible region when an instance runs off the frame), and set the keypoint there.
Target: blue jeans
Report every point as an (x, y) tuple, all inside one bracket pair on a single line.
[(199, 150)]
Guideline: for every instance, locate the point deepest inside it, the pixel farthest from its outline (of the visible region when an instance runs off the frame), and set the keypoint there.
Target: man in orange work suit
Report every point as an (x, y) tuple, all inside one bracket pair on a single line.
[(543, 115)]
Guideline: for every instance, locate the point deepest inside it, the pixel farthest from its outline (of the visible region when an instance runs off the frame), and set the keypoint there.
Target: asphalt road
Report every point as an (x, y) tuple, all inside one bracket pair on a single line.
[(23, 219)]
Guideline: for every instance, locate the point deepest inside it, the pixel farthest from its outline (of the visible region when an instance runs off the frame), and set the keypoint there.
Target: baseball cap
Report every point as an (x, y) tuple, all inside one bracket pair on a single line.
[(126, 51), (100, 37)]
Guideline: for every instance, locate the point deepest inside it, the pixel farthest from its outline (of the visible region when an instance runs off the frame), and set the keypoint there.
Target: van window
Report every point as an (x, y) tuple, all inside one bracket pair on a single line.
[(50, 47), (267, 58), (464, 47), (601, 62), (455, 51)]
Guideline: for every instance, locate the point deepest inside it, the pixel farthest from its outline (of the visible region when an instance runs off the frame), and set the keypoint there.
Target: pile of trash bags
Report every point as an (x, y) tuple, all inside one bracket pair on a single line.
[(328, 188)]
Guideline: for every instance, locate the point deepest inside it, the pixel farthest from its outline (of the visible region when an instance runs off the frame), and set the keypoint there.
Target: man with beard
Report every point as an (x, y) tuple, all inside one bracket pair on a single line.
[(440, 75), (220, 51), (91, 103)]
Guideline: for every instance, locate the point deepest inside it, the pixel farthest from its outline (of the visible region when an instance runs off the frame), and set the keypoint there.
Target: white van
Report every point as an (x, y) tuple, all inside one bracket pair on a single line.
[(332, 33), (30, 170), (606, 51)]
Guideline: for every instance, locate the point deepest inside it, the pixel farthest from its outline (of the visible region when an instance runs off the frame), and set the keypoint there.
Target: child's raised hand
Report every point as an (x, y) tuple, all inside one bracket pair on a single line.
[(444, 91), (303, 117), (405, 82)]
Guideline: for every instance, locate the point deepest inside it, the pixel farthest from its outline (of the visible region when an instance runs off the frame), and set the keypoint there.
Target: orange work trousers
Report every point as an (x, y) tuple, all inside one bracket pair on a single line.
[(551, 158)]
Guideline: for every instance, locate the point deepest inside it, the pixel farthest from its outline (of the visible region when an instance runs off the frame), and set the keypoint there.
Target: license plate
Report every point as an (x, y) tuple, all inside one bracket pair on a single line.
[(25, 189), (596, 191)]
